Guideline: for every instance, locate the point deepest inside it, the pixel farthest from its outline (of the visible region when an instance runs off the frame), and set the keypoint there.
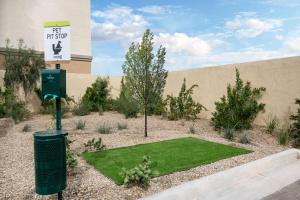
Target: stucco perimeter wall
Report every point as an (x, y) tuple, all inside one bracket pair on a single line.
[(78, 83), (281, 77)]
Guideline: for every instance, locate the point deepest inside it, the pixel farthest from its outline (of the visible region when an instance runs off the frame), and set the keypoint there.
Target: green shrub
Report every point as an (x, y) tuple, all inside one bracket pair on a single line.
[(94, 145), (26, 128), (112, 104), (80, 125), (156, 105), (271, 124), (22, 67), (10, 106), (71, 160), (97, 95), (122, 126), (81, 108), (296, 126), (49, 107), (103, 129), (228, 133), (139, 175), (244, 139), (283, 136), (183, 106), (127, 105), (240, 107)]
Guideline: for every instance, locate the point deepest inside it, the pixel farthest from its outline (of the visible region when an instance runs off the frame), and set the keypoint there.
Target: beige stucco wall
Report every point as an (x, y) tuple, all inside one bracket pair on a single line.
[(281, 77), (77, 84), (25, 19)]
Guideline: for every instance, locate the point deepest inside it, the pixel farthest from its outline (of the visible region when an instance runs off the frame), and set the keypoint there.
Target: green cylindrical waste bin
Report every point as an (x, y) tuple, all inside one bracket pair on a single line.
[(50, 161)]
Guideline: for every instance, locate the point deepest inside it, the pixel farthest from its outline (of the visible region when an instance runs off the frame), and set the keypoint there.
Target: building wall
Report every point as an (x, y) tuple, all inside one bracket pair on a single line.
[(279, 76), (24, 19)]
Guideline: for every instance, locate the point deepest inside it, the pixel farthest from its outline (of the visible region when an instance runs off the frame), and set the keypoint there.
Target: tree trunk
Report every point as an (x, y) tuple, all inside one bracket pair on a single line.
[(145, 122)]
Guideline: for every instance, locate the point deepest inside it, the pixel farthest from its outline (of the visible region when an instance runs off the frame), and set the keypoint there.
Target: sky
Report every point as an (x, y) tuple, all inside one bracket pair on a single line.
[(196, 33)]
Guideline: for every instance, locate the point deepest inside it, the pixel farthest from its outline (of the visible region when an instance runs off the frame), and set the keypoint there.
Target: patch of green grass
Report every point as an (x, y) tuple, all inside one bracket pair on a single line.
[(166, 156)]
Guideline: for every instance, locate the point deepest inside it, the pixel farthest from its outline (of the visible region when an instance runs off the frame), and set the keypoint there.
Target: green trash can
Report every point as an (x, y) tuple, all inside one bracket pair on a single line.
[(50, 161)]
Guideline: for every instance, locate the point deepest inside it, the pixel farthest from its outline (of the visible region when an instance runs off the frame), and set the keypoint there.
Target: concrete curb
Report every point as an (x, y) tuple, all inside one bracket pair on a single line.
[(253, 180)]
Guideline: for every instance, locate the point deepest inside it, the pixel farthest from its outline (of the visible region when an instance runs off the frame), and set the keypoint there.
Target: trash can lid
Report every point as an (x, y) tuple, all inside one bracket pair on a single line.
[(49, 134)]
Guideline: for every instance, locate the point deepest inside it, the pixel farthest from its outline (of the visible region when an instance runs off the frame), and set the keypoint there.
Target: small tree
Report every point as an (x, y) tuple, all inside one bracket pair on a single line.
[(240, 107), (22, 67), (296, 126), (145, 73)]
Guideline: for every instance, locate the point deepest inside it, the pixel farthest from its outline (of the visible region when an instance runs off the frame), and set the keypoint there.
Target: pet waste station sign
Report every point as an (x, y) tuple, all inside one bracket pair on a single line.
[(57, 41)]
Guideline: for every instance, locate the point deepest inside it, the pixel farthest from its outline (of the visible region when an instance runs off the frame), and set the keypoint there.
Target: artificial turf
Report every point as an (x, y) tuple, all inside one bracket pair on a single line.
[(166, 156)]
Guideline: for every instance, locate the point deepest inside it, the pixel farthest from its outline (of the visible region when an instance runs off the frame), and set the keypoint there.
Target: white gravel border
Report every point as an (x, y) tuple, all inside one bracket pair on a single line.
[(17, 167)]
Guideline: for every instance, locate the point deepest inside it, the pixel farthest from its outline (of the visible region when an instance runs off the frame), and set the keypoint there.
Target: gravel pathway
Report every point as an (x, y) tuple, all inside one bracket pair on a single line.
[(17, 167)]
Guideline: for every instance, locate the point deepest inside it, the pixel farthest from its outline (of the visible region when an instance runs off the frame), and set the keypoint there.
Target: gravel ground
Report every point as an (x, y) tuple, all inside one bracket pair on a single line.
[(17, 167)]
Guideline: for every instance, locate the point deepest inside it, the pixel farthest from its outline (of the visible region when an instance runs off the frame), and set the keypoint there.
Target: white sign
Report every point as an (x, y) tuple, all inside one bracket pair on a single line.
[(57, 41)]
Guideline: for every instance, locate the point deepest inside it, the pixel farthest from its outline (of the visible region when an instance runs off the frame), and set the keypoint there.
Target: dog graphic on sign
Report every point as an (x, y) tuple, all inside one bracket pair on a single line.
[(56, 49)]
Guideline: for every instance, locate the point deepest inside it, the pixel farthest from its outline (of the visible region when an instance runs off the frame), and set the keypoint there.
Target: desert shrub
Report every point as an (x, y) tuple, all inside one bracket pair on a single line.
[(26, 128), (271, 124), (71, 161), (80, 125), (183, 106), (112, 104), (81, 108), (156, 105), (127, 105), (22, 67), (10, 106), (240, 107), (283, 136), (49, 107), (228, 133), (98, 94), (139, 175), (104, 129), (296, 126), (192, 129), (94, 145), (244, 138), (122, 126)]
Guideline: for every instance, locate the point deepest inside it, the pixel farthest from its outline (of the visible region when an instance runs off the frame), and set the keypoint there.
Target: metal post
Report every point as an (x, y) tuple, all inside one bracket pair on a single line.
[(58, 107), (58, 113), (58, 124)]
